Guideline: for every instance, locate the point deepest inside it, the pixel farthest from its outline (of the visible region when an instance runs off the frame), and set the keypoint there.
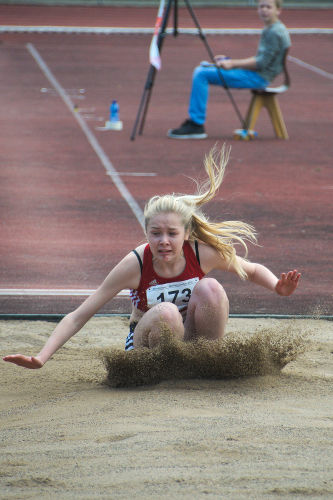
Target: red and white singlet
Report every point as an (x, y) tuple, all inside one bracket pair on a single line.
[(154, 289)]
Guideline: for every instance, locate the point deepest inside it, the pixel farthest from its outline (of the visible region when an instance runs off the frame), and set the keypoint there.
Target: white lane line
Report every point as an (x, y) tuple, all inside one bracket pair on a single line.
[(137, 174), (110, 170), (47, 291), (149, 31), (310, 67)]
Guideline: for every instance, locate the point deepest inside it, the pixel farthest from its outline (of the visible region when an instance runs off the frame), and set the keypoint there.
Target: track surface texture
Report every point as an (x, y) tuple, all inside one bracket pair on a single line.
[(64, 223)]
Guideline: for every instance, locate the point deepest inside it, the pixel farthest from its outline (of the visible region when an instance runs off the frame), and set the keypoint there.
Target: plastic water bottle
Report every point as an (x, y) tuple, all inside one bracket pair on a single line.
[(114, 123), (114, 111)]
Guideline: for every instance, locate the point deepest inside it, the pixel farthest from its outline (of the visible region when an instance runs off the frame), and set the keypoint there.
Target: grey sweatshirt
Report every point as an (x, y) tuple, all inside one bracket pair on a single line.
[(273, 43)]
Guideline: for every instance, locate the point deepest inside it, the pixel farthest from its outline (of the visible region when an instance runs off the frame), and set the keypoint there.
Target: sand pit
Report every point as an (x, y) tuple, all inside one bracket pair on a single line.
[(262, 433)]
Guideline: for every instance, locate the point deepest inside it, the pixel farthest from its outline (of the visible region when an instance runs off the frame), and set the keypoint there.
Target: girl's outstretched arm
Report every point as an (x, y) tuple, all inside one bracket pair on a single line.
[(261, 275), (257, 273), (125, 275), (67, 327)]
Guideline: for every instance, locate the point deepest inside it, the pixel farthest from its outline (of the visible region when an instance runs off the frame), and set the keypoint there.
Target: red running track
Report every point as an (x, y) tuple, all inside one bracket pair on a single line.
[(213, 17), (64, 223)]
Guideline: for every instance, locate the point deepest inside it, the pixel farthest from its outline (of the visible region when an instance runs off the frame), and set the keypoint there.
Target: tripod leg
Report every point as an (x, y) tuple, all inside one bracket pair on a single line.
[(148, 95), (144, 102), (211, 55), (175, 18)]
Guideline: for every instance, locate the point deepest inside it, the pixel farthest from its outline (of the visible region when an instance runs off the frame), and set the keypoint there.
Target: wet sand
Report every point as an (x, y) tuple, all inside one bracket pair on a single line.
[(66, 433)]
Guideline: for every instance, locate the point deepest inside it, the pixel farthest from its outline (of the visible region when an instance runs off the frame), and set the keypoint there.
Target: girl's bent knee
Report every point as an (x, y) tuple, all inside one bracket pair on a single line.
[(168, 313), (169, 318), (210, 289)]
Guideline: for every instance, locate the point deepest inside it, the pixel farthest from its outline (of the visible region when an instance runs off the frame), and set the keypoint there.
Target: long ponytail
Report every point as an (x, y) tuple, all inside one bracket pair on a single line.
[(220, 235)]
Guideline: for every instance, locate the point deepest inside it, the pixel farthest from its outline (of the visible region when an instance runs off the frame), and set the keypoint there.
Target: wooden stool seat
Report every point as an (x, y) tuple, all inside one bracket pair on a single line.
[(266, 99)]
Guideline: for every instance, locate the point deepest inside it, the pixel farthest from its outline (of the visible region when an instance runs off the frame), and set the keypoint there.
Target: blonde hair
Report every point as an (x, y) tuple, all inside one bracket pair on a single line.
[(220, 235)]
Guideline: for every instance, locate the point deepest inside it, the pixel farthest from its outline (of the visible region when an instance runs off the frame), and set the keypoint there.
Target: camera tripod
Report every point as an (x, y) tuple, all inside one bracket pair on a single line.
[(143, 107)]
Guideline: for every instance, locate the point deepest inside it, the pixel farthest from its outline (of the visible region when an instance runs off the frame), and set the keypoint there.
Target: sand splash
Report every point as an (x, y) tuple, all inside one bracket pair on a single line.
[(237, 355)]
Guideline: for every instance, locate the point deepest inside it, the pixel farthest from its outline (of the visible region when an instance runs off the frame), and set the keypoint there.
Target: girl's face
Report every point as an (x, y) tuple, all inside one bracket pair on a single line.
[(268, 11), (166, 235)]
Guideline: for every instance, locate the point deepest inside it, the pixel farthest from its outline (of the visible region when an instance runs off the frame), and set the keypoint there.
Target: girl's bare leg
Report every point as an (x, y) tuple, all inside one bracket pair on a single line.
[(207, 312), (150, 327)]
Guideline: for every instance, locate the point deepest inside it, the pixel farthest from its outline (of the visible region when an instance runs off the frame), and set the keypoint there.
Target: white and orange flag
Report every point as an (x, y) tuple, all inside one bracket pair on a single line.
[(154, 54)]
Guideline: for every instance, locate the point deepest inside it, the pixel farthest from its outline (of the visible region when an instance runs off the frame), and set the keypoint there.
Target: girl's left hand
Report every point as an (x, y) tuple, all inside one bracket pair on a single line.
[(288, 283)]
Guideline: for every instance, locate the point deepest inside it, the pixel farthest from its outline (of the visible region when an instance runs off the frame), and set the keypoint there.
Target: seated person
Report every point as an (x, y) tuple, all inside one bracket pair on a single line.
[(254, 72)]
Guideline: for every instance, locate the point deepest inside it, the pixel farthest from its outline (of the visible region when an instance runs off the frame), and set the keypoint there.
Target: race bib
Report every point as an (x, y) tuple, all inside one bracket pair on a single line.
[(178, 293)]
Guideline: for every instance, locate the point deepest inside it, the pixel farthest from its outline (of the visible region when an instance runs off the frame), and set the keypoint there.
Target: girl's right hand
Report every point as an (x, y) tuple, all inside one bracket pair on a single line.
[(27, 361)]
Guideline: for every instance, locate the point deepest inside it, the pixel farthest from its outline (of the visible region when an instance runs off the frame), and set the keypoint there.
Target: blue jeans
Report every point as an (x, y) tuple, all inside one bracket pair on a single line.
[(207, 74)]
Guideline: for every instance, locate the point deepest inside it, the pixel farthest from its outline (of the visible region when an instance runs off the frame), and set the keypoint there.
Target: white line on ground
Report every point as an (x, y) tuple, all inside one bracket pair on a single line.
[(111, 171), (35, 292), (310, 67), (149, 31), (137, 174)]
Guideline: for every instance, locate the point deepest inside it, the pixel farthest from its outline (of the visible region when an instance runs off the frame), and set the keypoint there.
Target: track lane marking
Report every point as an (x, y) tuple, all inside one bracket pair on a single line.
[(110, 170), (149, 31), (315, 69), (51, 292)]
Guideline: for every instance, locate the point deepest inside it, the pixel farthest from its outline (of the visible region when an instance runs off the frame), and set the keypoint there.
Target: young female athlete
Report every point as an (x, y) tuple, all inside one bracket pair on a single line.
[(166, 276)]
